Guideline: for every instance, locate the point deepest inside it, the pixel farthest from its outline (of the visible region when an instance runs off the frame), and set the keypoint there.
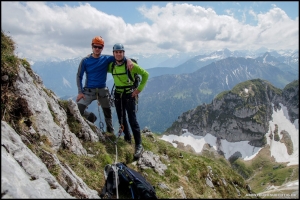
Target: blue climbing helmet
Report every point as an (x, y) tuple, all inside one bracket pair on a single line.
[(119, 47)]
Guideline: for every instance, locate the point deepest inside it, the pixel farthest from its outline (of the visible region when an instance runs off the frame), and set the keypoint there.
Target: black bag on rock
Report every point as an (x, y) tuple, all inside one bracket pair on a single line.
[(127, 179)]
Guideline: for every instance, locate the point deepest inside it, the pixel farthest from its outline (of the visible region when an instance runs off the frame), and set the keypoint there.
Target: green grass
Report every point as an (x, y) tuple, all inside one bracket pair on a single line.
[(266, 171)]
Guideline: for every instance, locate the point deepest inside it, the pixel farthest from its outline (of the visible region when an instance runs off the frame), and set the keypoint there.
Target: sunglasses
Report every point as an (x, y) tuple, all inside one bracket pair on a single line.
[(99, 47)]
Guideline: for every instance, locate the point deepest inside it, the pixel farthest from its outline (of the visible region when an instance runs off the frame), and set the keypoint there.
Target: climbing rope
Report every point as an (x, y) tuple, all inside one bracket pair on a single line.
[(101, 124), (114, 166), (121, 129)]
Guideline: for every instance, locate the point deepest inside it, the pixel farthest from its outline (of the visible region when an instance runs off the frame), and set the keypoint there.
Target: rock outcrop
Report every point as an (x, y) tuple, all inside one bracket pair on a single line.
[(26, 174), (242, 114)]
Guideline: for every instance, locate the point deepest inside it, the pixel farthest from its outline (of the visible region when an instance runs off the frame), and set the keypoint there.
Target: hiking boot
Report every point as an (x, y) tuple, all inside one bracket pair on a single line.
[(138, 151)]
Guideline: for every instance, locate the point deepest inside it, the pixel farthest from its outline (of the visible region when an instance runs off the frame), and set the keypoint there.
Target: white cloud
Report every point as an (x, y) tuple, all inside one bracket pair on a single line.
[(41, 31)]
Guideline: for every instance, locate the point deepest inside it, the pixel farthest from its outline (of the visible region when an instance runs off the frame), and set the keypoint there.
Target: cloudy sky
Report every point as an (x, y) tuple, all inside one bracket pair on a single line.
[(278, 149), (65, 29)]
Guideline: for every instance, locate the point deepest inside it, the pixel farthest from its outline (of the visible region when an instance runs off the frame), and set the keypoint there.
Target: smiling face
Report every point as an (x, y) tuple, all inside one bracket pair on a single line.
[(97, 49), (119, 55)]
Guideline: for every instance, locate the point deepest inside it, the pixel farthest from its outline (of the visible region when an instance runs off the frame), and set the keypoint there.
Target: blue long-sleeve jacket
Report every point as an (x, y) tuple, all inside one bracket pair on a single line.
[(95, 70)]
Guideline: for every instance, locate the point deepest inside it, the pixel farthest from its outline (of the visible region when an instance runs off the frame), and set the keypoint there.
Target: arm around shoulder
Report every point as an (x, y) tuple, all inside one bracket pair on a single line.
[(145, 75)]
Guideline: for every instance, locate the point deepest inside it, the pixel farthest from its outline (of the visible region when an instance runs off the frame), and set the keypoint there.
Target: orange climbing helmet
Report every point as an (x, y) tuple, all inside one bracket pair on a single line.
[(98, 40)]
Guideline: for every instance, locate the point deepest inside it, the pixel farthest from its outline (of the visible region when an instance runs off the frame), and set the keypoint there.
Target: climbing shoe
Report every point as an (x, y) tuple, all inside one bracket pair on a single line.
[(138, 151)]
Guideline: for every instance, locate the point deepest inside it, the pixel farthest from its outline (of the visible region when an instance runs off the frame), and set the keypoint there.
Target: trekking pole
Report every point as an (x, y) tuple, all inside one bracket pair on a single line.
[(116, 171), (115, 168), (120, 132), (121, 129)]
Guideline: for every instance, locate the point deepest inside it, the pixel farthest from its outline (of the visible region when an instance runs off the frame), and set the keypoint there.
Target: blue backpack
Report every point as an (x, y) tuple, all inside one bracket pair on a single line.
[(127, 179)]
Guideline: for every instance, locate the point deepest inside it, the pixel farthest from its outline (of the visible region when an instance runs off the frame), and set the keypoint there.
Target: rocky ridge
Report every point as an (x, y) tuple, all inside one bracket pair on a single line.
[(241, 114)]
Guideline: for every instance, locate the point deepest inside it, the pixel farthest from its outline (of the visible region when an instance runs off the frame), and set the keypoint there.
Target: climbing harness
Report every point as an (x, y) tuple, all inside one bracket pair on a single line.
[(130, 88)]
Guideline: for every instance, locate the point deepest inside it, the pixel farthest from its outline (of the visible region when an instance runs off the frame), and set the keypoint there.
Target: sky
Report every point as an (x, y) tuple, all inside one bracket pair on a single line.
[(277, 149), (64, 30)]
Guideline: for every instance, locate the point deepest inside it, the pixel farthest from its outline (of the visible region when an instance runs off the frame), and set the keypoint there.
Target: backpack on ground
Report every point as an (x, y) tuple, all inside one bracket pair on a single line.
[(129, 181)]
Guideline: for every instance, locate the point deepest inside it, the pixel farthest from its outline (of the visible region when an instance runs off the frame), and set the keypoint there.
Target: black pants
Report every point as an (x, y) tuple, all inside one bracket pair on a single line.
[(125, 103)]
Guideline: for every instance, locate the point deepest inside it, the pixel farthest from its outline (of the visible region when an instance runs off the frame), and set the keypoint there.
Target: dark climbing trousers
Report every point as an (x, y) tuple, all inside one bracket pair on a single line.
[(125, 103)]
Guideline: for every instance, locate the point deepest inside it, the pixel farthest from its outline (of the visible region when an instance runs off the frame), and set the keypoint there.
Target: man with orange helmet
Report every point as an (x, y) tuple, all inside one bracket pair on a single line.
[(95, 66)]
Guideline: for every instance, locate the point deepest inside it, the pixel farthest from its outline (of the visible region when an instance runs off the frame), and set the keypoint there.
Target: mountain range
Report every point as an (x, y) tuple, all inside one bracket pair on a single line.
[(241, 114), (173, 90), (167, 96)]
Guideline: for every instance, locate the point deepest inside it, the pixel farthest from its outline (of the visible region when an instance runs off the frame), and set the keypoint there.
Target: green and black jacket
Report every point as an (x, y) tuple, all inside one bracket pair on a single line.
[(122, 80)]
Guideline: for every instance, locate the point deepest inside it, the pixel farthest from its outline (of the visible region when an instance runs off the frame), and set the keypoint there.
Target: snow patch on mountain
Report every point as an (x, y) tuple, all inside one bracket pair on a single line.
[(277, 148), (248, 152)]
